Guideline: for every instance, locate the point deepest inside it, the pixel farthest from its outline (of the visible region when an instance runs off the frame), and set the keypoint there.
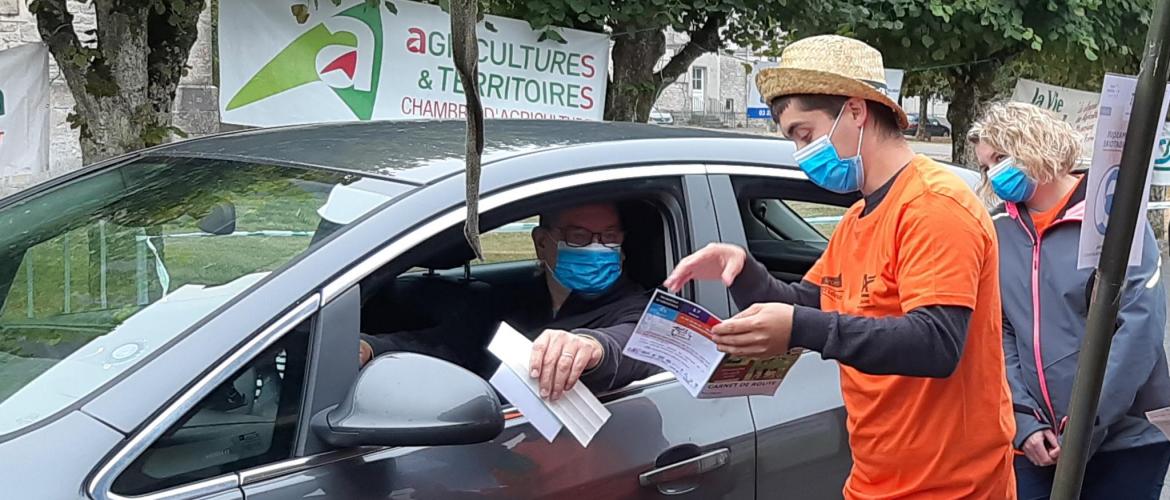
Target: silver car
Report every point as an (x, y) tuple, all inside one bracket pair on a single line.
[(183, 322)]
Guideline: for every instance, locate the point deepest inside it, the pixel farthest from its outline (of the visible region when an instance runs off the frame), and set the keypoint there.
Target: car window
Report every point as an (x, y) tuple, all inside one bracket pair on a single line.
[(795, 220), (247, 421), (823, 218), (109, 267), (509, 243)]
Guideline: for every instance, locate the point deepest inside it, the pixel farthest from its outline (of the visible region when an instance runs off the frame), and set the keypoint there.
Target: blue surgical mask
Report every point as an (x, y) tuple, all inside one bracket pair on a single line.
[(589, 269), (825, 167), (1010, 183)]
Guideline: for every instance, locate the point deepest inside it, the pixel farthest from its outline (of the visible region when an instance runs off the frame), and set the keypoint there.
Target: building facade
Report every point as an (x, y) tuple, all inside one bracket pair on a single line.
[(712, 92)]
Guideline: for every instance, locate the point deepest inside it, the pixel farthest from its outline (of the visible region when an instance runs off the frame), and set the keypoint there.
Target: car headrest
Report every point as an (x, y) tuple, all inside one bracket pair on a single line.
[(449, 257)]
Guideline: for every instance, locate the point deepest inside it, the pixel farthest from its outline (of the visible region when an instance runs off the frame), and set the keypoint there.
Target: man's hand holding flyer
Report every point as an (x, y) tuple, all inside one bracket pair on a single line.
[(675, 334)]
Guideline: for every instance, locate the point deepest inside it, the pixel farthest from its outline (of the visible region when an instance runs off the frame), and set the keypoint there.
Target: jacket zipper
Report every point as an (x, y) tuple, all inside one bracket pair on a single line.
[(1036, 350)]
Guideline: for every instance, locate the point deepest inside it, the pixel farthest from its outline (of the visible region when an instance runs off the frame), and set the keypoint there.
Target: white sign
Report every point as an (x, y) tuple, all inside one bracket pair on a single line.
[(361, 62), (1162, 158), (1109, 140), (757, 108), (894, 83), (24, 110)]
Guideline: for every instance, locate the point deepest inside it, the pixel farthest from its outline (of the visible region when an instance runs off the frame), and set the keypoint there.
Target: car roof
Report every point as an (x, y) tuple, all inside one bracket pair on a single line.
[(418, 151)]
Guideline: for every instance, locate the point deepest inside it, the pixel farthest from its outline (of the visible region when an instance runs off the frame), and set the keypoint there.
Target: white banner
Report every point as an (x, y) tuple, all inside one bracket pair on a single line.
[(1108, 143), (24, 110), (359, 62), (894, 83), (757, 108)]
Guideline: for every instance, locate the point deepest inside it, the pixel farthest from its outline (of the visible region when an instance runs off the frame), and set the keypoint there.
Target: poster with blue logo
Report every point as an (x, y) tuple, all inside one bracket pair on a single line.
[(1162, 158), (1108, 142)]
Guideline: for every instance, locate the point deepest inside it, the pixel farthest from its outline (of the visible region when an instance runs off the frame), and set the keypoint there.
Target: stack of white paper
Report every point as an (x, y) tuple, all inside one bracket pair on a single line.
[(1160, 419), (578, 409)]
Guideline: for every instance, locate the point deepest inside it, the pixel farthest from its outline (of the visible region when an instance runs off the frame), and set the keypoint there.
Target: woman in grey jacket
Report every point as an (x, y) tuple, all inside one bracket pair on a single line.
[(1028, 155)]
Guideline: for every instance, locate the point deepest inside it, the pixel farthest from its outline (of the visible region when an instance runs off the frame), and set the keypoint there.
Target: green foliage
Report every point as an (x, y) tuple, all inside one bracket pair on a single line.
[(1066, 42), (932, 84), (750, 23)]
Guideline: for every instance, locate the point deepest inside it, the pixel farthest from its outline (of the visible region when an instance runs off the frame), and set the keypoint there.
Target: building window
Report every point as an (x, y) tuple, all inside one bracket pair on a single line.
[(729, 105), (697, 75)]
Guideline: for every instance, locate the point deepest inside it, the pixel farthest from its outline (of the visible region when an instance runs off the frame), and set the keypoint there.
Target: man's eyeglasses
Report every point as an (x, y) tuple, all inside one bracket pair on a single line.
[(575, 236)]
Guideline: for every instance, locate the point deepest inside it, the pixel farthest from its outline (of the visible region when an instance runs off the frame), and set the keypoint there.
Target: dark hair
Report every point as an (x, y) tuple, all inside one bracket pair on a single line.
[(885, 117), (548, 218)]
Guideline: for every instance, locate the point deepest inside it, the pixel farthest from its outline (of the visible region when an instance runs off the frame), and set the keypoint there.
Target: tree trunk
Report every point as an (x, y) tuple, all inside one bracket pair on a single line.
[(636, 50), (635, 85), (973, 88), (923, 118), (124, 82)]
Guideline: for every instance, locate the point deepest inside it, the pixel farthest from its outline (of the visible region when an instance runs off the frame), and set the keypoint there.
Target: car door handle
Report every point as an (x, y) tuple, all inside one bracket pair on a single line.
[(690, 467)]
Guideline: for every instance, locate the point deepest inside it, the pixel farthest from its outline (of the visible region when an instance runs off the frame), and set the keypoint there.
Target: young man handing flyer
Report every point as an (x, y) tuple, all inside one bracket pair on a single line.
[(905, 297)]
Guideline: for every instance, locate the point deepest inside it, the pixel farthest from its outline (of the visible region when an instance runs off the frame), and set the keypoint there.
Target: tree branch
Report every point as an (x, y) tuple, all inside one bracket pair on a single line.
[(703, 40), (55, 24)]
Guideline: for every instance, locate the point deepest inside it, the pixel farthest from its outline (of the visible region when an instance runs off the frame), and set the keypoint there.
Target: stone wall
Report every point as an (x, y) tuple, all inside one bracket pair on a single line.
[(196, 103)]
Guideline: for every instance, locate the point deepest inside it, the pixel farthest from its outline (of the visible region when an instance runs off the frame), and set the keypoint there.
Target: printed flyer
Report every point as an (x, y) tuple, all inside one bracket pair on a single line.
[(675, 334)]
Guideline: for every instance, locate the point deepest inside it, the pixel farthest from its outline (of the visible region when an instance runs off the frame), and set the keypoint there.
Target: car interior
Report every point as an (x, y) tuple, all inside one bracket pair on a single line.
[(438, 288), (778, 236)]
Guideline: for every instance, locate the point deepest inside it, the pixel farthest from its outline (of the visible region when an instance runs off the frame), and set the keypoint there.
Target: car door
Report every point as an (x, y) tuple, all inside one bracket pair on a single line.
[(784, 221), (658, 442)]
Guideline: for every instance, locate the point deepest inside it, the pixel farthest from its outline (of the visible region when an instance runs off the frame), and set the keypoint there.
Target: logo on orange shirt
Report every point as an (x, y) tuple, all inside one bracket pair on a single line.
[(866, 279), (831, 287)]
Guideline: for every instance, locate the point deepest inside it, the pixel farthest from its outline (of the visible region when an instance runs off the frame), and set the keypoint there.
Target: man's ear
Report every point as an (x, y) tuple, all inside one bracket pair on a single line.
[(540, 240), (857, 110)]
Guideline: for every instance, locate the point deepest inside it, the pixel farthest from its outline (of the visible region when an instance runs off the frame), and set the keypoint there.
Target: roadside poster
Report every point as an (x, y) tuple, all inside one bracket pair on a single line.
[(675, 334), (893, 88), (1162, 158), (1109, 140), (393, 60), (757, 108), (24, 110)]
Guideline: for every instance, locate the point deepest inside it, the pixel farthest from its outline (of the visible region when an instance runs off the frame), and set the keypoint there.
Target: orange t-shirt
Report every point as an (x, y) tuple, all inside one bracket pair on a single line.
[(929, 242), (1041, 220)]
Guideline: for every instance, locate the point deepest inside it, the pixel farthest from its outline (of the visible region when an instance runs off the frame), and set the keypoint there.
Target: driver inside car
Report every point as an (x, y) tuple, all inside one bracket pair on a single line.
[(583, 309)]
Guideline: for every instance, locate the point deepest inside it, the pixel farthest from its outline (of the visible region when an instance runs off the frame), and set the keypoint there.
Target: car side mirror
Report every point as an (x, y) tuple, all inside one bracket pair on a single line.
[(220, 221), (407, 399)]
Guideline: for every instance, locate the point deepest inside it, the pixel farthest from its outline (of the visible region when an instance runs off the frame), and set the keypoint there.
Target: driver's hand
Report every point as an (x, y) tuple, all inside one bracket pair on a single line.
[(559, 358), (365, 352)]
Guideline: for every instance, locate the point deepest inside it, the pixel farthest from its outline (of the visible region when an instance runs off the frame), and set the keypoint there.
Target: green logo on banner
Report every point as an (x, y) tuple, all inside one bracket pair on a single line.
[(1, 103), (297, 65)]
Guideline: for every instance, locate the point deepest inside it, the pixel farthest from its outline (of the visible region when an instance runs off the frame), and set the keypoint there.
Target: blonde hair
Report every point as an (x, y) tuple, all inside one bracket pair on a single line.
[(1044, 146)]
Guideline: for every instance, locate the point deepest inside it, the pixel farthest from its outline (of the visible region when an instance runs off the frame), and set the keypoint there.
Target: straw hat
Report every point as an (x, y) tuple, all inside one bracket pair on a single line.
[(830, 65)]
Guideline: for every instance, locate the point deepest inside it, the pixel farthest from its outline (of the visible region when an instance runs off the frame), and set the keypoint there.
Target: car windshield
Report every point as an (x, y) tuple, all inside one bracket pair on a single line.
[(97, 273)]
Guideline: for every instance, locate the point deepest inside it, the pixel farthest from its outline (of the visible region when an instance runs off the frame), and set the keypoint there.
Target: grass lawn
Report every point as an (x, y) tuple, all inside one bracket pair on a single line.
[(811, 210)]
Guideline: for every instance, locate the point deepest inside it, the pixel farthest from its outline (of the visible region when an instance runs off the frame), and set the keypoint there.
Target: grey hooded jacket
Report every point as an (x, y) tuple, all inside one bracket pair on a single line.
[(1045, 303)]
